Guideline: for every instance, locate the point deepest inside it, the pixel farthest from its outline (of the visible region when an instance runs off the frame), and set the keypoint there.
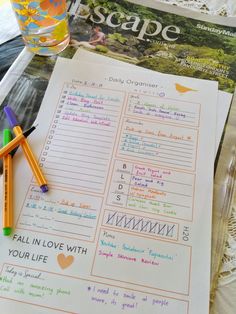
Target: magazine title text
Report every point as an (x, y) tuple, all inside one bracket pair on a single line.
[(145, 28)]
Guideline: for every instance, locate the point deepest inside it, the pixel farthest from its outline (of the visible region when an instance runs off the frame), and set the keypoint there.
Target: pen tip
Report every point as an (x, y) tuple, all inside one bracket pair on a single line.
[(6, 231), (44, 188)]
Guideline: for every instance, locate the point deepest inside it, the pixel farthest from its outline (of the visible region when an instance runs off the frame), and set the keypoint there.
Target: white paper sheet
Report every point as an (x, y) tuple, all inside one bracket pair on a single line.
[(126, 224), (14, 72), (8, 24)]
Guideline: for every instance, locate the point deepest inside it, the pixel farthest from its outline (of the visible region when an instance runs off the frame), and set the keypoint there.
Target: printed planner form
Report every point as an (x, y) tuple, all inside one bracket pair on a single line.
[(126, 224)]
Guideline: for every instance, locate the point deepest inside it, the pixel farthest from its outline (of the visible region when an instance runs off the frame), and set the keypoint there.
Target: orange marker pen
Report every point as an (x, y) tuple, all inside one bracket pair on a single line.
[(26, 149), (7, 213)]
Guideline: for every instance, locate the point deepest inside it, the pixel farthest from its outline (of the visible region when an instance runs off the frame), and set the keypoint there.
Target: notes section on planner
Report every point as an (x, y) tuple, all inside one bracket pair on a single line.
[(80, 141), (152, 189), (164, 109), (159, 143), (64, 214), (66, 294), (137, 260)]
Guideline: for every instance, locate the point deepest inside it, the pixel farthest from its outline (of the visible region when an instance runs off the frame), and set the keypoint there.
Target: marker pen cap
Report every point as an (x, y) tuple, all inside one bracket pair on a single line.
[(10, 116)]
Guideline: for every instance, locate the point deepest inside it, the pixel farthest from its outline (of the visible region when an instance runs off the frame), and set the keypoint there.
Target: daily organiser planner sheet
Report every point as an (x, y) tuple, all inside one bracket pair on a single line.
[(126, 224)]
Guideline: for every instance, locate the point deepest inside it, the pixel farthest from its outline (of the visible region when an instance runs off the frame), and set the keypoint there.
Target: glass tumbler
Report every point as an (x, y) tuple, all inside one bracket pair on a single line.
[(43, 24)]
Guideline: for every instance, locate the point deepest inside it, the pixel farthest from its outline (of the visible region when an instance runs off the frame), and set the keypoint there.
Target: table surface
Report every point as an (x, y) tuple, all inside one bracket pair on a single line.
[(9, 51)]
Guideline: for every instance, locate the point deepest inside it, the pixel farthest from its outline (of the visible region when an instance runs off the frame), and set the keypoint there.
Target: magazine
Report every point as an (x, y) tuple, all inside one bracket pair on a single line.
[(169, 44)]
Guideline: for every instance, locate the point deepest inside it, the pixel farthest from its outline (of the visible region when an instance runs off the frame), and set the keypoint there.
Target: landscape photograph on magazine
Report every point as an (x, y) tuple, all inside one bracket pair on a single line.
[(156, 40), (141, 35)]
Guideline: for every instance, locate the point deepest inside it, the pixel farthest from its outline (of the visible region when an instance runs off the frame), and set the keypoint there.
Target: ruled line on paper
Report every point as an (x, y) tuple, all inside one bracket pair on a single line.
[(181, 144), (72, 159), (132, 197), (71, 223), (70, 232)]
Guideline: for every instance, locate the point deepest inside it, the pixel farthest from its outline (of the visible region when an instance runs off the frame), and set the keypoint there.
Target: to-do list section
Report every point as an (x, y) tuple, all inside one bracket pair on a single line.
[(79, 144)]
